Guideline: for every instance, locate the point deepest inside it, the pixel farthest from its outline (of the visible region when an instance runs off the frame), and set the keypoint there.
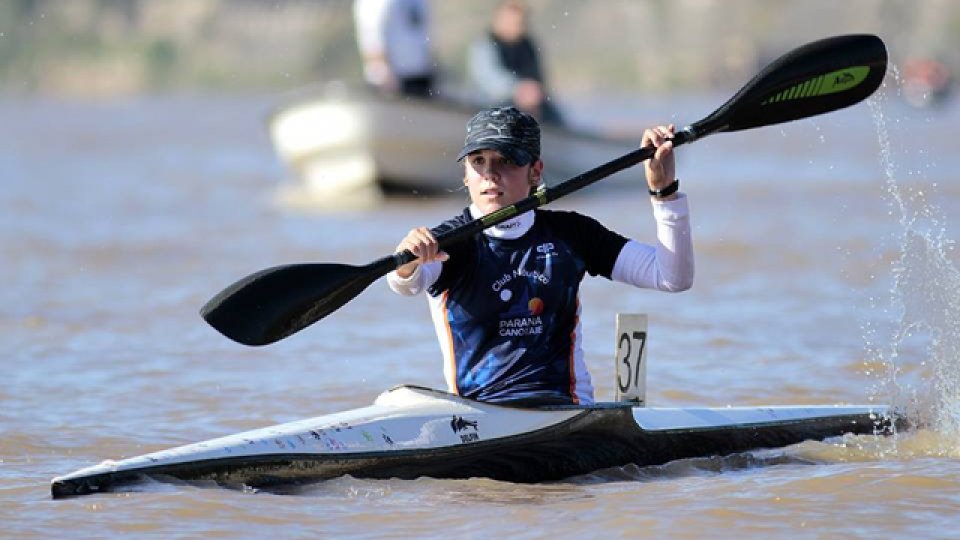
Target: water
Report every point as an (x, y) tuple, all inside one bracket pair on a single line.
[(826, 274)]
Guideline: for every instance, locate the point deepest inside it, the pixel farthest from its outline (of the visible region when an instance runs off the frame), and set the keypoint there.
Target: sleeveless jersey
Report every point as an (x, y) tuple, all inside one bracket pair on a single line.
[(510, 308)]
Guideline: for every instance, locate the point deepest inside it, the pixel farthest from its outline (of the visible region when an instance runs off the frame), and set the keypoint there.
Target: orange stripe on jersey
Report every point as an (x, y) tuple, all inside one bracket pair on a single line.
[(573, 356), (453, 355)]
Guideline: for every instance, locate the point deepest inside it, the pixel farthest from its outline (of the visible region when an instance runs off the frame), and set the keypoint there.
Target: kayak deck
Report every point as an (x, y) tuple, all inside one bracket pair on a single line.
[(411, 432)]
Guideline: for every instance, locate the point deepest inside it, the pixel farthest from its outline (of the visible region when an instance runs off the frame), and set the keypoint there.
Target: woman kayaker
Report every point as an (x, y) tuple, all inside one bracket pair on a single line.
[(505, 303)]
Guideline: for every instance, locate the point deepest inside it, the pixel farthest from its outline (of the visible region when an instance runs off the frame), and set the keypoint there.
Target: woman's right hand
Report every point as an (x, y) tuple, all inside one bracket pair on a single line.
[(421, 242)]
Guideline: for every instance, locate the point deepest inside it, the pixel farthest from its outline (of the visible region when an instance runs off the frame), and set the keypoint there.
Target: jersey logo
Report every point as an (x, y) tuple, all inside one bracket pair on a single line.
[(535, 305), (534, 275), (546, 250)]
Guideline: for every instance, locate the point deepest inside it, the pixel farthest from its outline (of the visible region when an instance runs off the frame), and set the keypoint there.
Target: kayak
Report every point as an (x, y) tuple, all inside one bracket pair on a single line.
[(410, 432)]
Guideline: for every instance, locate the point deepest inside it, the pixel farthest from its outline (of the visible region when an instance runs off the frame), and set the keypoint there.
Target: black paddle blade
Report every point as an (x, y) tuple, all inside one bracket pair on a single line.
[(816, 78), (272, 304)]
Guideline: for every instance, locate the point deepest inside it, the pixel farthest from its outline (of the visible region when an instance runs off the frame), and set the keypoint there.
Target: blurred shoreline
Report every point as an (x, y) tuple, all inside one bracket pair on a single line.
[(109, 48)]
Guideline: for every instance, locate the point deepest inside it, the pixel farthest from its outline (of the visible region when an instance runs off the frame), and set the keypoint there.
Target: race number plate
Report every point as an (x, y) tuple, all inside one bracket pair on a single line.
[(631, 359)]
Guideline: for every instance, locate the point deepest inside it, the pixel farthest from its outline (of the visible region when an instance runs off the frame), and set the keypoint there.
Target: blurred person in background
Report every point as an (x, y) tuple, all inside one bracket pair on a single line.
[(394, 41), (505, 67), (926, 82)]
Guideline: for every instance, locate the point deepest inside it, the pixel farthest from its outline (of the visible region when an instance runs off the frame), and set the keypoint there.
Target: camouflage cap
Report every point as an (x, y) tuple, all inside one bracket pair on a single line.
[(513, 133)]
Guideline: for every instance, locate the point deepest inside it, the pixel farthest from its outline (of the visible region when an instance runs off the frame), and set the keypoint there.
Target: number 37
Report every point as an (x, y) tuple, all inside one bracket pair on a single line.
[(631, 358)]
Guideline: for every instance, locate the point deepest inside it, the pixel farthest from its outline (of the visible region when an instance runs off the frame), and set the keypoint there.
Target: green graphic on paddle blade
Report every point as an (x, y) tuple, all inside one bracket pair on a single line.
[(829, 83)]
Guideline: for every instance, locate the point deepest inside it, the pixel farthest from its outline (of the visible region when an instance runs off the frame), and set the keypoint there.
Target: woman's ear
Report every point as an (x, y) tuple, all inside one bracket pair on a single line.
[(536, 172), (534, 177)]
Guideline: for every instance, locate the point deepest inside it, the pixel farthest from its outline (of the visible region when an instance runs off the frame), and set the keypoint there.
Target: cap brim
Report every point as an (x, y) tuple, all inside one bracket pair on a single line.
[(517, 155)]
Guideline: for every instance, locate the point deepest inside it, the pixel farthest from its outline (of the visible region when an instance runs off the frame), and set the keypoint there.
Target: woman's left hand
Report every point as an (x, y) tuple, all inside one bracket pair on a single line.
[(661, 168)]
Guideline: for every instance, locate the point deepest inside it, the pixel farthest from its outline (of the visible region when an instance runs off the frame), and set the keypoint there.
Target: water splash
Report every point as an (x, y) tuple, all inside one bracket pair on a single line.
[(925, 295)]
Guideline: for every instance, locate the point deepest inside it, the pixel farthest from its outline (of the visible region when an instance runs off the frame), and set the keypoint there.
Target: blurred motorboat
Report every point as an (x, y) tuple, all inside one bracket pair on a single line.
[(926, 82), (349, 146)]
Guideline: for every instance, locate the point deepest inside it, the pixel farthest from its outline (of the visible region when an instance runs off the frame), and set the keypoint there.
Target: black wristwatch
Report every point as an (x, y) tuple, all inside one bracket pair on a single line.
[(669, 190)]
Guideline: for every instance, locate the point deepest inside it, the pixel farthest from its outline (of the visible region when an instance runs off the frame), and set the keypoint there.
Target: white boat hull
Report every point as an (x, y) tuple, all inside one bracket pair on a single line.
[(342, 145), (411, 432)]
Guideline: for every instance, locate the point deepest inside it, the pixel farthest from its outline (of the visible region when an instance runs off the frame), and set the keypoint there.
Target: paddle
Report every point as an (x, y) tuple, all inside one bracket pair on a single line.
[(819, 77)]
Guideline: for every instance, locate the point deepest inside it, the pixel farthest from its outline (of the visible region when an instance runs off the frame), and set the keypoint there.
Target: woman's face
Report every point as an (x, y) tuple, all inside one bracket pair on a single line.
[(495, 182)]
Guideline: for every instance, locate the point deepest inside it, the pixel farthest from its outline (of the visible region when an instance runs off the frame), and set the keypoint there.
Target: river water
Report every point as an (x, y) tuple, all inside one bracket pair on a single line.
[(825, 274)]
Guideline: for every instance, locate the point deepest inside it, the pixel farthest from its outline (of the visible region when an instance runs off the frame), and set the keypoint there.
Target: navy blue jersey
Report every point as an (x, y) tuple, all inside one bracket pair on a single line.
[(511, 307)]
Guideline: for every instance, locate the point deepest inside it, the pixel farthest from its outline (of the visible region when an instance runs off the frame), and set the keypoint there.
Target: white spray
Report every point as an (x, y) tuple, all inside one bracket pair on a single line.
[(926, 296)]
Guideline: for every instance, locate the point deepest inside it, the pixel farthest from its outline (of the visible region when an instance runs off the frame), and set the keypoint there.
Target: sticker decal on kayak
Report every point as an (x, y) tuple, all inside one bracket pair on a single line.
[(462, 427), (386, 437)]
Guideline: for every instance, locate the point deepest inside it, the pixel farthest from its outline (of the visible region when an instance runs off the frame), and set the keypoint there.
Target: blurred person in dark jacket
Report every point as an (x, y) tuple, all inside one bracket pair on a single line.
[(505, 67)]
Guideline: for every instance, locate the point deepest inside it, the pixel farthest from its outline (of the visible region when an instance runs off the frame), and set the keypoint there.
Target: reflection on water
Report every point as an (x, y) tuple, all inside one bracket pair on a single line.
[(706, 466)]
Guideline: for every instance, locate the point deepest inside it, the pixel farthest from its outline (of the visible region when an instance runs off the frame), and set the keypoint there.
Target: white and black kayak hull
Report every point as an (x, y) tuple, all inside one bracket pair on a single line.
[(411, 432)]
